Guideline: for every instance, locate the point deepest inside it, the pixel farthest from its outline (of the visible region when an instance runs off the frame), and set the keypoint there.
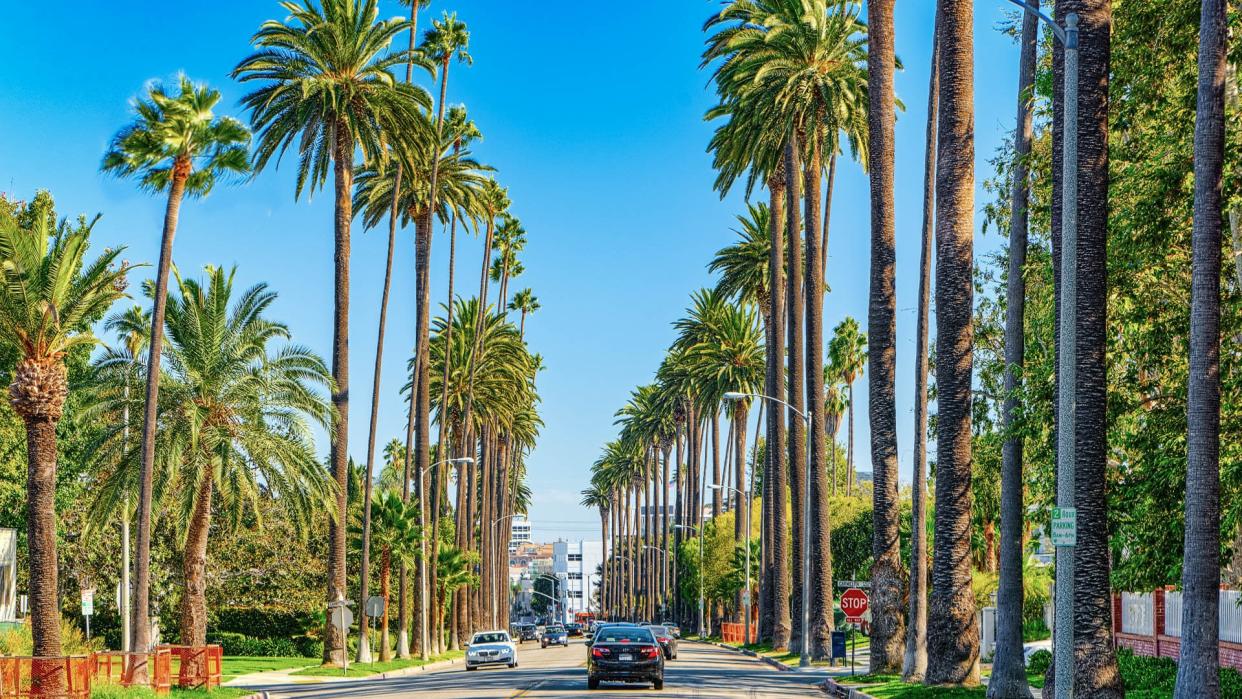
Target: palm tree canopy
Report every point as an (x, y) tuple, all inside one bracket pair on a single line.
[(50, 294), (324, 74), (743, 266), (447, 37), (524, 301), (394, 527), (460, 181), (178, 129), (237, 409), (847, 350)]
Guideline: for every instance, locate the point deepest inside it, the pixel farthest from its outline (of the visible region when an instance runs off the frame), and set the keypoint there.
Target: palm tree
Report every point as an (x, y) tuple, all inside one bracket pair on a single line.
[(176, 144), (396, 536), (1198, 669), (49, 298), (848, 352), (1008, 665), (237, 425), (743, 266), (953, 635), (915, 666), (510, 239), (326, 84), (525, 303)]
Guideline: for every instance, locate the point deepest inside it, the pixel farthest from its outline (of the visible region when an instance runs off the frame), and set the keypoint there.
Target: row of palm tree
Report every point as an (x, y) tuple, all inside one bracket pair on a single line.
[(235, 416)]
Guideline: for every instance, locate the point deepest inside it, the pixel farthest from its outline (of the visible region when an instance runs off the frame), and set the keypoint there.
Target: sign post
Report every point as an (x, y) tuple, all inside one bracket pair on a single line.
[(342, 617), (374, 609), (88, 608), (855, 603)]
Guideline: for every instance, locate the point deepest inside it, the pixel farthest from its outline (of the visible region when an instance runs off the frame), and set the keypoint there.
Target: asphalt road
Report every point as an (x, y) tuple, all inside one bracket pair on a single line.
[(699, 671)]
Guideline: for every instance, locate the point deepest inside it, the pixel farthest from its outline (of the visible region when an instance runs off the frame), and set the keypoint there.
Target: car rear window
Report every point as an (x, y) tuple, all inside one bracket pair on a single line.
[(624, 634), (658, 630), (555, 629)]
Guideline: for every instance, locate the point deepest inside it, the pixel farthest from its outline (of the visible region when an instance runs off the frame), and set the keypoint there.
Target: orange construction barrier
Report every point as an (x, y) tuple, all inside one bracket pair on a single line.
[(736, 633), (115, 667), (54, 678), (200, 666)]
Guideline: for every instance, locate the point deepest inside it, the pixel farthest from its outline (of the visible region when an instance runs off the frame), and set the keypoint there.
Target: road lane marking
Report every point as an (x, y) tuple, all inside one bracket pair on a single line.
[(524, 692)]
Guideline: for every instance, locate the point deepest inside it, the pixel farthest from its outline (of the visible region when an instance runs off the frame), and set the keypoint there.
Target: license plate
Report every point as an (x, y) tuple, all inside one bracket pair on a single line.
[(625, 657)]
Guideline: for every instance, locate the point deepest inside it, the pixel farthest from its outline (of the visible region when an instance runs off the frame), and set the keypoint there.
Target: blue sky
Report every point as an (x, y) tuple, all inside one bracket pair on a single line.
[(594, 122)]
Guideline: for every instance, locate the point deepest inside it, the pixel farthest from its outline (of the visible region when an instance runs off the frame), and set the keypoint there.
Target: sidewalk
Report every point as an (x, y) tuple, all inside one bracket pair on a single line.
[(861, 661)]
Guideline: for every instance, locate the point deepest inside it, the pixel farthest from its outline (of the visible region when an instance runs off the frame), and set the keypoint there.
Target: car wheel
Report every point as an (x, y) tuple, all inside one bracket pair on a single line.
[(512, 665), (657, 684), (470, 668), (592, 683)]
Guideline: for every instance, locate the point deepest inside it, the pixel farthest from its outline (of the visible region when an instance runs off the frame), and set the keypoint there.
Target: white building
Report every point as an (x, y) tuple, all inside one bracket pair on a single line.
[(575, 563), (520, 533), (8, 575)]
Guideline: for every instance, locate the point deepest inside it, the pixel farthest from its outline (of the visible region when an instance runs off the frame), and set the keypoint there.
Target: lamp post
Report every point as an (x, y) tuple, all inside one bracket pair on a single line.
[(805, 651), (702, 632), (423, 632), (1063, 627), (745, 514), (556, 582)]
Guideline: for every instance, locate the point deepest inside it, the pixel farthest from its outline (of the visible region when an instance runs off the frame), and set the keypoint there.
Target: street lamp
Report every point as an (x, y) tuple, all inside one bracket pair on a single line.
[(423, 632), (702, 630), (556, 582), (805, 651), (1063, 652), (745, 515)]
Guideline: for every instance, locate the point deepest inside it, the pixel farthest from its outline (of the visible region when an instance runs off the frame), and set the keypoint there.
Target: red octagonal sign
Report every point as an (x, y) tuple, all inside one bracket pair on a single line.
[(854, 603)]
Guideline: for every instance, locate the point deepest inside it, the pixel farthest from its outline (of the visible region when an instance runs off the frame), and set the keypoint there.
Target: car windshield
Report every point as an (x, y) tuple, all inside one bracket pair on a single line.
[(624, 634), (658, 630), (489, 638), (556, 629)]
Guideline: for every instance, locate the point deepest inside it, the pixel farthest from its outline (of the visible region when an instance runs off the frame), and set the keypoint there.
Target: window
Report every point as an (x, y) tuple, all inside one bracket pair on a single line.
[(576, 594), (575, 576), (575, 557)]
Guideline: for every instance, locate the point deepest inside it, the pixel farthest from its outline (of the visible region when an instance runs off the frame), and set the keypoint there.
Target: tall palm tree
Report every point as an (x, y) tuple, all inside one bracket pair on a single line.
[(888, 576), (953, 635), (1008, 665), (1095, 662), (915, 665), (49, 297), (396, 536), (510, 239), (848, 352), (175, 144), (325, 83), (524, 302), (1198, 669), (238, 423), (743, 266)]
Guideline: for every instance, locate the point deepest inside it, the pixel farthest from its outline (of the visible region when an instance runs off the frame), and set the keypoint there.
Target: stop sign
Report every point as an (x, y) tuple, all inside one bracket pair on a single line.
[(854, 603)]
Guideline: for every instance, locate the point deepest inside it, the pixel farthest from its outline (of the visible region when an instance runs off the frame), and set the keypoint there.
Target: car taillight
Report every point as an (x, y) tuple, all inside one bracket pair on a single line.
[(664, 639), (651, 652), (597, 652)]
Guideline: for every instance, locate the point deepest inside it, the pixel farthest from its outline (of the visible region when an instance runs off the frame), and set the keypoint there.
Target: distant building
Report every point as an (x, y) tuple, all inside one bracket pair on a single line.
[(575, 564), (520, 533), (8, 575)]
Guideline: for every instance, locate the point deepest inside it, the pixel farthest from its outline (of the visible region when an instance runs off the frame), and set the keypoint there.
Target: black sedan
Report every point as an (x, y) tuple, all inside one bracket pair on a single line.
[(526, 632), (628, 654), (573, 629), (554, 636), (667, 641)]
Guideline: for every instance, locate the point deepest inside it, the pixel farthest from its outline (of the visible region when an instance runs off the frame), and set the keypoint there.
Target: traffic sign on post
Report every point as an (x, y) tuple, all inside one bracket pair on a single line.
[(1064, 526), (854, 602)]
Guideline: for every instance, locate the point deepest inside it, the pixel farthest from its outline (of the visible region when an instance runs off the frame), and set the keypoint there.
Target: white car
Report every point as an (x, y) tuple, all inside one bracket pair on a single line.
[(491, 648)]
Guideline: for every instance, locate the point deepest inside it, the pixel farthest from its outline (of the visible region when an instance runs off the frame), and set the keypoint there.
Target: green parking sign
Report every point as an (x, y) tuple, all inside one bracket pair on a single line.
[(1064, 526)]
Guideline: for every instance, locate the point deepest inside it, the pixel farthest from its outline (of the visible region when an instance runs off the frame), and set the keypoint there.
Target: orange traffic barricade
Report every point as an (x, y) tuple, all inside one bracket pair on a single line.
[(66, 677), (199, 666)]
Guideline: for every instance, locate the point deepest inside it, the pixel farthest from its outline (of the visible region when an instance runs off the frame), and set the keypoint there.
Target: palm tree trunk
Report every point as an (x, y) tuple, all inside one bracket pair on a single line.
[(849, 440), (1198, 669), (1008, 664), (334, 647), (194, 570), (717, 508), (915, 666), (888, 575), (1095, 666), (141, 631), (41, 540), (821, 528), (665, 583), (385, 574), (953, 638), (741, 527), (797, 428), (775, 477)]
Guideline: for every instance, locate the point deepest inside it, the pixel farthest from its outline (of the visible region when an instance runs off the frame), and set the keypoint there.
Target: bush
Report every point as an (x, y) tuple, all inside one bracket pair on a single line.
[(1035, 630), (1040, 661), (240, 644), (1141, 672), (262, 622)]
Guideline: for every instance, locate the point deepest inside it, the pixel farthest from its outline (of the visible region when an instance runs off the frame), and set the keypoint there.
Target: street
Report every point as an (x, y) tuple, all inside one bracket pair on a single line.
[(699, 671)]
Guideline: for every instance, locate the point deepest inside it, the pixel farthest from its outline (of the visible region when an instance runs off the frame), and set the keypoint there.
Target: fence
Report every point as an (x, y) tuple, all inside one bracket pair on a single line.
[(115, 667), (59, 678), (1151, 624), (736, 632), (200, 667)]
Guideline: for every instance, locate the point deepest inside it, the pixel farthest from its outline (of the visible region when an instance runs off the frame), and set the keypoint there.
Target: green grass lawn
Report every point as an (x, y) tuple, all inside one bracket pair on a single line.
[(112, 691), (237, 665), (368, 669)]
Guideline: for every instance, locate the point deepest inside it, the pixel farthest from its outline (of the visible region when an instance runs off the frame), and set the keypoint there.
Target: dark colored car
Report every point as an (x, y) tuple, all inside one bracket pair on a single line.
[(554, 636), (573, 629), (668, 643), (628, 654), (526, 632)]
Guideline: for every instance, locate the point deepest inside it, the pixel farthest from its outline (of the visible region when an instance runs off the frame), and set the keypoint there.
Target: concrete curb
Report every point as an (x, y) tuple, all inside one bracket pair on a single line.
[(317, 679), (835, 689)]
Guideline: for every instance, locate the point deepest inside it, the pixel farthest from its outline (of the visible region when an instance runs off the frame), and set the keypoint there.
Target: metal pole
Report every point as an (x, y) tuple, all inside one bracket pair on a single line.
[(805, 654), (1067, 365), (746, 621)]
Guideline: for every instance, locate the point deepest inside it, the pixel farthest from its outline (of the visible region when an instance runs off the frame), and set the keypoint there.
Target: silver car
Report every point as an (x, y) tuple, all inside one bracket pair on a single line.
[(491, 648)]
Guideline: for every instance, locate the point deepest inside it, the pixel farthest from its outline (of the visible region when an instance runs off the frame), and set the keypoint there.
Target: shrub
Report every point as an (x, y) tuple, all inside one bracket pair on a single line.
[(17, 641), (1040, 661), (262, 622), (1035, 630), (1141, 672), (240, 644)]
